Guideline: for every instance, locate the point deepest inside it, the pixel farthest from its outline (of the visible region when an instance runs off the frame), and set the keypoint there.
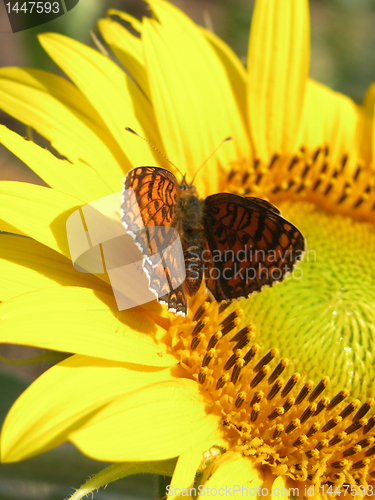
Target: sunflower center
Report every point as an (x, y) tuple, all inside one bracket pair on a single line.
[(274, 398), (322, 317), (297, 427)]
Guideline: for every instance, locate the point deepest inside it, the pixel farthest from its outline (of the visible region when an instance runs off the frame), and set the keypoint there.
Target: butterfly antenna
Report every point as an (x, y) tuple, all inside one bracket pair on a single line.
[(211, 155), (154, 147)]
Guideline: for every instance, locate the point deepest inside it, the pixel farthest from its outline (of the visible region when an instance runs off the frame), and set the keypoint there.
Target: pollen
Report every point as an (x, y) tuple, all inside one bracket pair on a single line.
[(344, 185), (292, 423)]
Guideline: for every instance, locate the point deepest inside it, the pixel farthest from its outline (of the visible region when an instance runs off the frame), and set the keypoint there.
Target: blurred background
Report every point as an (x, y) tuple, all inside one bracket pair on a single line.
[(342, 57)]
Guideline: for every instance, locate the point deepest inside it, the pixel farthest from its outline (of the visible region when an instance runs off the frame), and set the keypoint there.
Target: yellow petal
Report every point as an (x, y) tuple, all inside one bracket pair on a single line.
[(135, 24), (82, 321), (233, 475), (278, 64), (158, 422), (284, 486), (115, 97), (57, 110), (330, 118), (235, 70), (79, 180), (8, 228), (77, 388), (26, 265), (128, 48), (187, 467), (192, 95), (38, 211), (368, 135)]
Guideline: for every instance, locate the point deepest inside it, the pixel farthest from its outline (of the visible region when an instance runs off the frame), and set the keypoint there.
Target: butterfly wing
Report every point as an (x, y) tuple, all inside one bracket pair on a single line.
[(251, 245), (150, 215), (153, 203)]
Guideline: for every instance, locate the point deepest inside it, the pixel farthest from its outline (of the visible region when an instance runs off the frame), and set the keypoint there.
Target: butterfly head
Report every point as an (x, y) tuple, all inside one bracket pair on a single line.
[(187, 188)]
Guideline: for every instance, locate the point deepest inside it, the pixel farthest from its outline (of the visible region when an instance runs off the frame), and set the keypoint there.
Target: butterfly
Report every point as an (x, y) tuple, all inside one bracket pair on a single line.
[(236, 244)]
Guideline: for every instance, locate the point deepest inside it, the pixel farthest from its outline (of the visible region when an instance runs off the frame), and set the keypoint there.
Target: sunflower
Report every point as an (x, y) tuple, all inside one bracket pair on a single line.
[(271, 394)]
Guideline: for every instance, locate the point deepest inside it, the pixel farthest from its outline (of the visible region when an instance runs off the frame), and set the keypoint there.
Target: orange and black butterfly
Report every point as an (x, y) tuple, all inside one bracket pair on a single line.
[(237, 244)]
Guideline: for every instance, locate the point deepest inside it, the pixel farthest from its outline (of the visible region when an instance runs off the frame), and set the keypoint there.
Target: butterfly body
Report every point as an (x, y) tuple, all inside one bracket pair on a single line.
[(190, 209), (191, 232), (236, 244)]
